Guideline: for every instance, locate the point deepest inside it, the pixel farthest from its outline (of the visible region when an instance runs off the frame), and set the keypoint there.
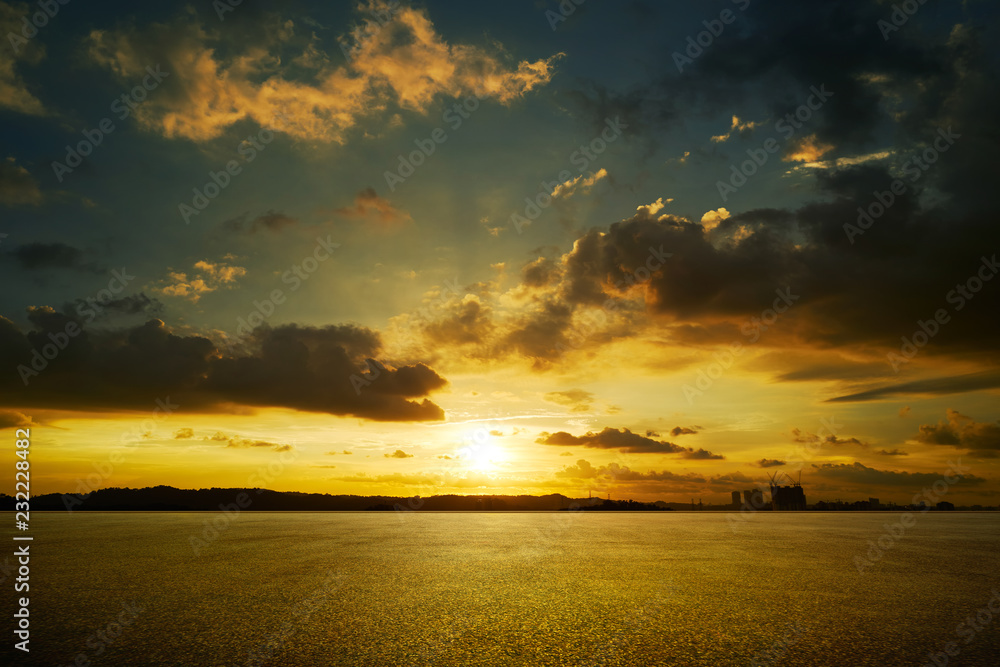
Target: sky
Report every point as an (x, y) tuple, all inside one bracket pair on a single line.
[(661, 251)]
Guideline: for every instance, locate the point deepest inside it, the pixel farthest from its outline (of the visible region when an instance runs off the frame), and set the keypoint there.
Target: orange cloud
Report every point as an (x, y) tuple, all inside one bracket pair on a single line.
[(205, 93), (210, 277), (14, 94), (17, 185), (369, 206), (581, 183), (739, 127), (806, 149)]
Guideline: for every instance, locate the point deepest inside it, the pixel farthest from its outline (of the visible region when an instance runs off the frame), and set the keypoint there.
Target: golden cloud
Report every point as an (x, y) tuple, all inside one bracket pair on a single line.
[(206, 93)]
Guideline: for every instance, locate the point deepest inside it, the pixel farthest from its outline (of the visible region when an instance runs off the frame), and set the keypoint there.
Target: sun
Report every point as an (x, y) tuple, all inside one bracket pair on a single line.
[(481, 453)]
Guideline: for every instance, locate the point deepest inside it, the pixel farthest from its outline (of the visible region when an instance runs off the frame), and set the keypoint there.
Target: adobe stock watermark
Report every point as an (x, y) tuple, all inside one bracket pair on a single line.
[(751, 330), (107, 635), (299, 613), (967, 630), (592, 321), (697, 44), (645, 616), (749, 509), (164, 409), (928, 329), (901, 13), (915, 169), (59, 341), (426, 312), (122, 107), (247, 150), (787, 126), (294, 276), (896, 531), (373, 367), (223, 7), (561, 522), (229, 512), (779, 649), (581, 158), (372, 372), (477, 444), (47, 9), (566, 9), (796, 459), (454, 116)]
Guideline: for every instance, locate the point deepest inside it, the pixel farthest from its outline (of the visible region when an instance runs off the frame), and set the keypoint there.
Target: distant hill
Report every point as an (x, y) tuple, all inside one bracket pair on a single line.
[(170, 499)]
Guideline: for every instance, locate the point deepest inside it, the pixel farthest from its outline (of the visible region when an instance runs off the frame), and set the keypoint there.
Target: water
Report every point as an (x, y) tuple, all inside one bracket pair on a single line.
[(508, 589)]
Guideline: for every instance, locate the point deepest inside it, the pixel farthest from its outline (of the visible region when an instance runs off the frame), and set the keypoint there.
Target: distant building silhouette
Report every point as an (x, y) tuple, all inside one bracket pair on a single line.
[(736, 500), (787, 498), (753, 499), (874, 503)]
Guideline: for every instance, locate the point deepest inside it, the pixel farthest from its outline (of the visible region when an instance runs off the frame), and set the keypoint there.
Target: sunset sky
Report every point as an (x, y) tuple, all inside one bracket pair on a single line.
[(500, 248)]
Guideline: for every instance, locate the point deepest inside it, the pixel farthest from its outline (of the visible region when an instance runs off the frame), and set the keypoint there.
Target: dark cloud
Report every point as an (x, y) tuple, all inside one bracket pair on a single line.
[(682, 430), (805, 368), (858, 473), (309, 368), (920, 82), (799, 435), (963, 432), (131, 304), (238, 442), (292, 366), (821, 282), (34, 256), (272, 221), (714, 283), (539, 272), (398, 454), (841, 442), (369, 206), (779, 50), (14, 419), (619, 473), (701, 454), (541, 335), (641, 109), (891, 452), (626, 441), (465, 323), (955, 384), (17, 186), (734, 479), (769, 463)]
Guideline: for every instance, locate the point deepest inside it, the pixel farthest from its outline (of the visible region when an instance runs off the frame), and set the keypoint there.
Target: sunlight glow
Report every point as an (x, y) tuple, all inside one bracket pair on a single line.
[(481, 453)]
